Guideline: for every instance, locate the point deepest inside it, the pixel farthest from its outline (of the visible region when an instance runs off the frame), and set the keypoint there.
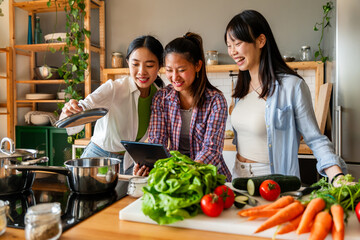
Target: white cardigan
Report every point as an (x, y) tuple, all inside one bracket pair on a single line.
[(120, 97)]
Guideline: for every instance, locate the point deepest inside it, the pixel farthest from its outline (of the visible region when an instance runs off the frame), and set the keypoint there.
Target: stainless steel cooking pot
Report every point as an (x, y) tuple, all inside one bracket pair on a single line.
[(11, 180), (84, 175)]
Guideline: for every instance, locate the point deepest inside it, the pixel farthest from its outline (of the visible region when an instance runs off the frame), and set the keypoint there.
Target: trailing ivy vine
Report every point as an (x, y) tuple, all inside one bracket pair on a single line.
[(327, 8), (75, 64)]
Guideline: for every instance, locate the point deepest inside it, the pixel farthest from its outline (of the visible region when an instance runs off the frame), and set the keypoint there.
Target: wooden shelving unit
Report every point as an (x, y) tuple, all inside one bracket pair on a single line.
[(110, 73), (9, 104), (30, 50)]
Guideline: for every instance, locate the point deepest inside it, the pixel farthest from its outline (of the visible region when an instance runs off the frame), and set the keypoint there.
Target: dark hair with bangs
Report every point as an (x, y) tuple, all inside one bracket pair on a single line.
[(191, 47), (247, 26), (154, 46)]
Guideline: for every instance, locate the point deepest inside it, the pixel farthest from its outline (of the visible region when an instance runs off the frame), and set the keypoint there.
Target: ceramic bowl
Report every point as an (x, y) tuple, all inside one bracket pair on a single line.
[(40, 120), (46, 72), (61, 95)]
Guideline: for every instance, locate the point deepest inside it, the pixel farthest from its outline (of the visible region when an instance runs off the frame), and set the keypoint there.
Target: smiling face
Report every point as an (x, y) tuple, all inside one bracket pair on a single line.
[(246, 55), (180, 72), (144, 67)]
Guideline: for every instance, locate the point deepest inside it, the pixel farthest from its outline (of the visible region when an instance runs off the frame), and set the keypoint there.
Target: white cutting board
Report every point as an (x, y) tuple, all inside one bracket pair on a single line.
[(230, 222)]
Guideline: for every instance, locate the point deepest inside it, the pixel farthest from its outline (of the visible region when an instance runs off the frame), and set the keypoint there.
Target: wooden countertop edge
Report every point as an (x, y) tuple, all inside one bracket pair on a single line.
[(228, 146)]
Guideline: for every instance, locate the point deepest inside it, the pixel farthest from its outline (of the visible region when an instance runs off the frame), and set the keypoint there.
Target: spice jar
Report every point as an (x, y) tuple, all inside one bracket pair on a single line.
[(305, 53), (212, 57), (42, 221), (135, 186), (116, 60), (3, 221)]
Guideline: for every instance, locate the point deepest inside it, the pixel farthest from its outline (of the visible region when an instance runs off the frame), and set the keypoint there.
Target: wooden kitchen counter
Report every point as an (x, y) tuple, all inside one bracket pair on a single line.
[(107, 225)]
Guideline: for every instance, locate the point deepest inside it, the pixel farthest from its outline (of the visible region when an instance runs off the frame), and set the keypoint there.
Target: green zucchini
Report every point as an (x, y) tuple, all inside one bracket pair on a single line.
[(240, 201), (286, 183), (241, 183)]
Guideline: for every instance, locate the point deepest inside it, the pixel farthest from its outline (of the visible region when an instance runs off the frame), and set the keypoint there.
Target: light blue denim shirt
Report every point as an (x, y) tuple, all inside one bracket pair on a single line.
[(289, 114)]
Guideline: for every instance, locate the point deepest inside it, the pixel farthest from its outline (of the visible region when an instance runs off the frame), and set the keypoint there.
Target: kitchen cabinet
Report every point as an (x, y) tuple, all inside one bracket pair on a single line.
[(9, 104), (49, 141), (30, 50)]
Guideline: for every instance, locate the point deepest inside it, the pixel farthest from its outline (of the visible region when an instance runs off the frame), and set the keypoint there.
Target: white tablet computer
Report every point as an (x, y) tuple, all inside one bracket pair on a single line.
[(145, 153)]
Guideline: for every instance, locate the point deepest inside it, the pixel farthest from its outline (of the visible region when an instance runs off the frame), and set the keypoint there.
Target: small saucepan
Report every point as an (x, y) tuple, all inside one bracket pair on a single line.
[(84, 175), (11, 180)]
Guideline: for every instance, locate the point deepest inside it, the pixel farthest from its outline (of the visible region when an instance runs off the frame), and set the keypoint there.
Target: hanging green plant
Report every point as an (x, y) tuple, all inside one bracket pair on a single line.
[(75, 62), (327, 8)]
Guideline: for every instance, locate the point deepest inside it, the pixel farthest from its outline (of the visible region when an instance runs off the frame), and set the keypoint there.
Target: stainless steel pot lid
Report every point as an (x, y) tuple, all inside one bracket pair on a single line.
[(81, 118), (12, 152), (19, 153)]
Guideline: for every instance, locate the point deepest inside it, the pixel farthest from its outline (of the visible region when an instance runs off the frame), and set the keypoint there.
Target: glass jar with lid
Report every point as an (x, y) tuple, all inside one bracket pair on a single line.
[(3, 220), (42, 221), (116, 60), (212, 57), (305, 53), (135, 186)]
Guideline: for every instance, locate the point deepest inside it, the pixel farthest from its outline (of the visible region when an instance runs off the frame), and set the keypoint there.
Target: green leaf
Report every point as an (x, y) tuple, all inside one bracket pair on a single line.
[(48, 3), (74, 68), (52, 50), (315, 28), (317, 54)]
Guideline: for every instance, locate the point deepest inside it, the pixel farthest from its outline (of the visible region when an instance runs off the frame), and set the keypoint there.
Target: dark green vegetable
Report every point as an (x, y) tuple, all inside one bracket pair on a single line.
[(241, 183), (286, 183), (240, 200), (176, 186)]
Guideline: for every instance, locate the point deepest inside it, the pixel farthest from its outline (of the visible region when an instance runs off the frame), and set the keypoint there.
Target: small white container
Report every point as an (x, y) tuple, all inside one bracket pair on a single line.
[(40, 120), (43, 221), (135, 186)]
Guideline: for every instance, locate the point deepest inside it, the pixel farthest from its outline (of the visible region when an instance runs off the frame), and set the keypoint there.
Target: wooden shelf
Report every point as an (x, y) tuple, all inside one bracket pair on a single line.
[(221, 68), (53, 81), (40, 6), (45, 47), (40, 101)]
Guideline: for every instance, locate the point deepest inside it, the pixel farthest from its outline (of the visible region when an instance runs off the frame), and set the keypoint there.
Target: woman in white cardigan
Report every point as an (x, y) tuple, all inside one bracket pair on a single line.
[(128, 101)]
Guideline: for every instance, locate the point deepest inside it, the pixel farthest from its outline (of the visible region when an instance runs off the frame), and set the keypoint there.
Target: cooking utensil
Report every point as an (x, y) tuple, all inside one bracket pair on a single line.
[(11, 180), (81, 118), (84, 175), (300, 193)]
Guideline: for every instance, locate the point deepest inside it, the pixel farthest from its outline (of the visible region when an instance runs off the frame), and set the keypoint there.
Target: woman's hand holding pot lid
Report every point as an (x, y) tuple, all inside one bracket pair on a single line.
[(71, 108)]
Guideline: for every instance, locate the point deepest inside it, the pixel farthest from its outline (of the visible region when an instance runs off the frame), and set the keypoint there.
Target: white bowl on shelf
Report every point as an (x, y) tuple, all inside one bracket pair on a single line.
[(55, 37), (61, 95), (40, 120)]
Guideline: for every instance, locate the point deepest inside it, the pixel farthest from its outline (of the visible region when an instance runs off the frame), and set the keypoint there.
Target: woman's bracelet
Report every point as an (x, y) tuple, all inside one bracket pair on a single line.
[(339, 174)]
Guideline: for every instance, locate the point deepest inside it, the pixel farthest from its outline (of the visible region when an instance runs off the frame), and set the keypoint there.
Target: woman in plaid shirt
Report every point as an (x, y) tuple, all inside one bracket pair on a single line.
[(189, 115)]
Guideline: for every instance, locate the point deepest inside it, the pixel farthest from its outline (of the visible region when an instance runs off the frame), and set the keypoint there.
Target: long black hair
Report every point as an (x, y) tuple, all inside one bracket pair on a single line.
[(154, 46), (191, 47), (247, 26)]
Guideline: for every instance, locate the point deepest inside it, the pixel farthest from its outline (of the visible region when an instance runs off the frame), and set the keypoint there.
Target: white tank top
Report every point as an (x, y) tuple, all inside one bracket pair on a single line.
[(248, 119)]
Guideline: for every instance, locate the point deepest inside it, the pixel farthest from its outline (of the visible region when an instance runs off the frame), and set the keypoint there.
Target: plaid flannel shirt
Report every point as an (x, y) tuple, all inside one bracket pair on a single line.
[(207, 127)]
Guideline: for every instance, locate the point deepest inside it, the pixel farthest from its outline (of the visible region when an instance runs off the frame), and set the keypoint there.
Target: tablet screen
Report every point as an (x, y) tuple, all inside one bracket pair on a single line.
[(145, 153)]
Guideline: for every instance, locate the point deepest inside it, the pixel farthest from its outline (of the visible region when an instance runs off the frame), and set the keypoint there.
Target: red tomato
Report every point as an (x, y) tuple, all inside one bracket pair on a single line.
[(269, 190), (226, 194), (357, 211), (212, 205)]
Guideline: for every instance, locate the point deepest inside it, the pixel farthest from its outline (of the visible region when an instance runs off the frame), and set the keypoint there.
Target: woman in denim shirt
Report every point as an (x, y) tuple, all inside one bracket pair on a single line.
[(273, 108)]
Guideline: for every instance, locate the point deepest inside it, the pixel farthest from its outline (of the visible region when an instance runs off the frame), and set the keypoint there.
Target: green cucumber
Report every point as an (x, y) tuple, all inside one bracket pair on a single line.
[(241, 183), (240, 200), (286, 183)]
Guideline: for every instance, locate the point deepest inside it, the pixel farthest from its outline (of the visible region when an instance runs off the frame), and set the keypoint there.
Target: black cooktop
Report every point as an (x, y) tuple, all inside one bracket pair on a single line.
[(74, 207)]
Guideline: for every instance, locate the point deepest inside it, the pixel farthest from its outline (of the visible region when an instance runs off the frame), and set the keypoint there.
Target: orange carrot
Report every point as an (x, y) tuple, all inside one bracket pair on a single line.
[(314, 206), (337, 213), (290, 226), (321, 226), (283, 215), (260, 213), (250, 209), (281, 202), (337, 235)]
